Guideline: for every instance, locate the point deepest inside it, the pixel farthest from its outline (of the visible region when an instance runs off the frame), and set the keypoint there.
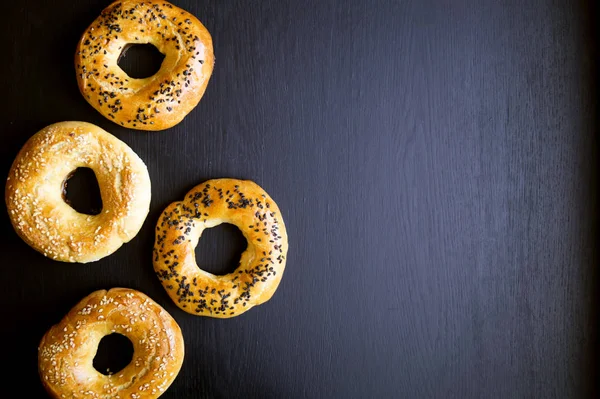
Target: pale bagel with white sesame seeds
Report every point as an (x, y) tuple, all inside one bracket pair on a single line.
[(157, 102), (67, 350), (244, 204), (34, 192)]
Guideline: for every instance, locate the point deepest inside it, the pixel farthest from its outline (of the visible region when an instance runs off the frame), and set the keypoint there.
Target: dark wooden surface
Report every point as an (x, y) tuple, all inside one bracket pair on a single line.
[(436, 166)]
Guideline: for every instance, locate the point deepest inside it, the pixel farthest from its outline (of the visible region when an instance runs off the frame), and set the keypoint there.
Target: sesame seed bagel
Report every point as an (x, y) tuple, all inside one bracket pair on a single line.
[(159, 101), (67, 350), (241, 203), (34, 192)]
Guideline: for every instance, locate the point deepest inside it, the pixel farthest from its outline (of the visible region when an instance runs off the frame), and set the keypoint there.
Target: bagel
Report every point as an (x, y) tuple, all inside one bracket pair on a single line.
[(66, 352), (34, 195), (160, 101), (241, 203)]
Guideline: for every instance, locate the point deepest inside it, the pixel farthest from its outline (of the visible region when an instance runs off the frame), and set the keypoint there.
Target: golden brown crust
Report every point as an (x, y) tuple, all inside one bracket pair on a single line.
[(43, 219), (159, 101), (244, 204), (67, 350)]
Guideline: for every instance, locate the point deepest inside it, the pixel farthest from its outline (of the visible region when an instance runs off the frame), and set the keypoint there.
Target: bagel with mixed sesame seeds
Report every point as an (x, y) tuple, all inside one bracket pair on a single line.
[(67, 350), (160, 101), (244, 204), (35, 201)]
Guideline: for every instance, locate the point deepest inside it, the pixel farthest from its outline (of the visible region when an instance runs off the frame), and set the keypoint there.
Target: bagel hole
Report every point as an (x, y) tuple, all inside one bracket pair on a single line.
[(220, 248), (115, 352), (81, 191), (140, 61)]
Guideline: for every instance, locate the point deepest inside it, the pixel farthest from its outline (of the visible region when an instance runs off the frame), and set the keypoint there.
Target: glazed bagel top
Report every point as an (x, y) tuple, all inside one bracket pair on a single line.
[(67, 350), (34, 192), (159, 101)]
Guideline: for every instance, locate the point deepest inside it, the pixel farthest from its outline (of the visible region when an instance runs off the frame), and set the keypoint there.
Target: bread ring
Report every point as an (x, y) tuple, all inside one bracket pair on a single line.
[(67, 350), (159, 101), (43, 219), (239, 202)]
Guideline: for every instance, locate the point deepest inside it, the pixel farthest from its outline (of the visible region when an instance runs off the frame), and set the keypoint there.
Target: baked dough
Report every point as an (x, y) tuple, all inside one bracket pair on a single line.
[(244, 204), (34, 194), (67, 350), (160, 101)]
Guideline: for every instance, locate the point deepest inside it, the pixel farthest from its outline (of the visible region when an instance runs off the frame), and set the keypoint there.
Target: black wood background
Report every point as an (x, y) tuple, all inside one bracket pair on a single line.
[(436, 166)]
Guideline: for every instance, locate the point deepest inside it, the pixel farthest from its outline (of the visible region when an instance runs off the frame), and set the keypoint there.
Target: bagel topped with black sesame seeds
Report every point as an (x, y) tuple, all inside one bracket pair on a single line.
[(160, 101), (239, 202)]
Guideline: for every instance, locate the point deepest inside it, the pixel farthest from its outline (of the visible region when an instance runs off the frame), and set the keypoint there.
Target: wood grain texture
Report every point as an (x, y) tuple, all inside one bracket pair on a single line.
[(436, 166)]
